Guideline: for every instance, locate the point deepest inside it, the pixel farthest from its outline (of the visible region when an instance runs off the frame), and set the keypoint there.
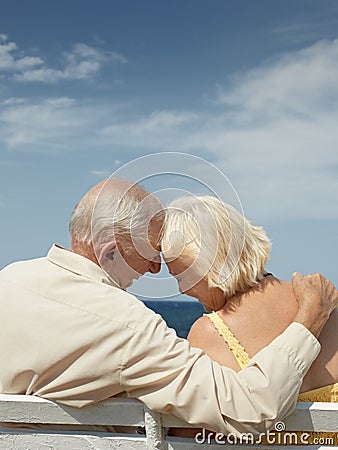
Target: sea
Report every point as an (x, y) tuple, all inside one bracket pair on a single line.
[(179, 314)]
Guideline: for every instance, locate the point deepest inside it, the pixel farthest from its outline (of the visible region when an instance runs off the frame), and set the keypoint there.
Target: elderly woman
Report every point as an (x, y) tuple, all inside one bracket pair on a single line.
[(220, 258)]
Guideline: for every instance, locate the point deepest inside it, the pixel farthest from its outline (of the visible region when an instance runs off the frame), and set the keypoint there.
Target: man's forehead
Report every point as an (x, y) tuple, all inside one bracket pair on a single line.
[(155, 228), (150, 243), (155, 242)]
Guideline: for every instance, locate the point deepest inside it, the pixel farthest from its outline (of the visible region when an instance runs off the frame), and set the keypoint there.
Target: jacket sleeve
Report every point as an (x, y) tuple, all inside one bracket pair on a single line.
[(169, 376)]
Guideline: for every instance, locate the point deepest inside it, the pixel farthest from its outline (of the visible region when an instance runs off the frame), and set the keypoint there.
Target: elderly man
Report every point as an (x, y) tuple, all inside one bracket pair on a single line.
[(71, 333)]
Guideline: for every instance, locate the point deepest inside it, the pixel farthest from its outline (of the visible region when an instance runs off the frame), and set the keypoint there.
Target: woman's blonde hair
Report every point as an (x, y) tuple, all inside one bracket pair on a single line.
[(228, 250)]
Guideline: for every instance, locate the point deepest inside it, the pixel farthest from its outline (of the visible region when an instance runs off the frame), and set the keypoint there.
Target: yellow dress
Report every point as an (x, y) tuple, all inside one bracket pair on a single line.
[(322, 394)]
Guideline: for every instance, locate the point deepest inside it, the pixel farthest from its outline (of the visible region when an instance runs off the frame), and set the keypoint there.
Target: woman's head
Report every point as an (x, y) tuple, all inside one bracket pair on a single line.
[(215, 243)]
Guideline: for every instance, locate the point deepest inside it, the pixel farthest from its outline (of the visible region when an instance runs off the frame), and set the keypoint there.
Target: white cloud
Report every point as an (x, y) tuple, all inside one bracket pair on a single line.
[(54, 125), (297, 83), (11, 60), (46, 126), (273, 133), (304, 29), (83, 51), (99, 173), (81, 63), (12, 101), (279, 135), (161, 130)]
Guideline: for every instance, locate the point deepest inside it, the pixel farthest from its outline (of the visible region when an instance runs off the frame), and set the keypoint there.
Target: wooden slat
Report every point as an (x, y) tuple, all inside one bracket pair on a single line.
[(31, 409)]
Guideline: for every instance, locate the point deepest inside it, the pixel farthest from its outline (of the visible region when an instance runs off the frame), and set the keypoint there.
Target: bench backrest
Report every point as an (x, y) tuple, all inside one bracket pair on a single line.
[(21, 409)]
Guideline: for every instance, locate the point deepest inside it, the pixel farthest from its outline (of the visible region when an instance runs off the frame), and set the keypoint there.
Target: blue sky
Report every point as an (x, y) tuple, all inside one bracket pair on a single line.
[(250, 86)]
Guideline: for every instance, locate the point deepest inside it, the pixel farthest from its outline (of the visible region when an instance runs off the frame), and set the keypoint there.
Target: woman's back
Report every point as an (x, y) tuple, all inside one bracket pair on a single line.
[(255, 319)]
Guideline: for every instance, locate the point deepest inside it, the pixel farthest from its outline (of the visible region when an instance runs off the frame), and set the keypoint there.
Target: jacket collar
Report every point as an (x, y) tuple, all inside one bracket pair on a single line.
[(78, 264)]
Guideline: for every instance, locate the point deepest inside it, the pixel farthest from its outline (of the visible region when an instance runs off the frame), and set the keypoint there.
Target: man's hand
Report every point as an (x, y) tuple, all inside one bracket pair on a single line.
[(317, 298)]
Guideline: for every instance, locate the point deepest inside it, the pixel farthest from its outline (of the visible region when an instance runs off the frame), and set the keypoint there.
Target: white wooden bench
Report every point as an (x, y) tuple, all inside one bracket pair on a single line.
[(21, 409)]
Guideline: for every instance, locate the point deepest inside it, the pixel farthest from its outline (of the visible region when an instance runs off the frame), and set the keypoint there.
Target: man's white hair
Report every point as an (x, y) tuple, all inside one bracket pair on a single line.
[(125, 211), (227, 249)]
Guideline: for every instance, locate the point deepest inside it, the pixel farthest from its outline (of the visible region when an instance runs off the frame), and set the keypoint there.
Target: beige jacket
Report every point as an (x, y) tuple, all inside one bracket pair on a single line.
[(69, 335)]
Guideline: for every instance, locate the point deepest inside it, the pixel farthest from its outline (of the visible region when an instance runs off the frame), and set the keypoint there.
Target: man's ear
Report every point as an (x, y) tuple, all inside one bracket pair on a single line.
[(106, 252)]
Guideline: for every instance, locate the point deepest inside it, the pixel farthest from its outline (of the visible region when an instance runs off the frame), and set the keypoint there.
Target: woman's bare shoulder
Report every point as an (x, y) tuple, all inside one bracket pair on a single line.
[(202, 329), (204, 335)]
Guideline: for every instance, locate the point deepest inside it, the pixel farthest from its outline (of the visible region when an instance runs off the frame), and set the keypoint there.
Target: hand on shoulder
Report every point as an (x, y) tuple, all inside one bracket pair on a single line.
[(317, 298)]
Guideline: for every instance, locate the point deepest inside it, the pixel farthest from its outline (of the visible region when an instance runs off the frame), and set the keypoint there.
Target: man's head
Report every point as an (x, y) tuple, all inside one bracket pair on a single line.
[(118, 225)]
